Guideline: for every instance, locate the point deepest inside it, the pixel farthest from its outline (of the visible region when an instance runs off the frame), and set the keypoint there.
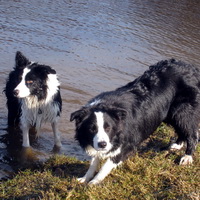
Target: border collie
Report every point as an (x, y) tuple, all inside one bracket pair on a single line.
[(33, 97), (113, 124)]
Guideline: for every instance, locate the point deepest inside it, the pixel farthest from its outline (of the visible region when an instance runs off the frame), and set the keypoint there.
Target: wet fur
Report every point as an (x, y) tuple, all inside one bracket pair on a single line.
[(42, 101)]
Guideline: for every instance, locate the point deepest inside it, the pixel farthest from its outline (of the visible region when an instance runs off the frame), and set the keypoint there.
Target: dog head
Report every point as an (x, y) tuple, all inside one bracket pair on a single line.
[(35, 79), (99, 127)]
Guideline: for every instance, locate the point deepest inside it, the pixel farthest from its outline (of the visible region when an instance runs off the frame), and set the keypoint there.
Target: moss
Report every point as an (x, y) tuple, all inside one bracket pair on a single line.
[(150, 174)]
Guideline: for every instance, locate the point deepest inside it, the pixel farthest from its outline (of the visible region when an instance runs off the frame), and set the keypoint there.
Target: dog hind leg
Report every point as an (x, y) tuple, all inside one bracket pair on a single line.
[(192, 141), (185, 124), (177, 145)]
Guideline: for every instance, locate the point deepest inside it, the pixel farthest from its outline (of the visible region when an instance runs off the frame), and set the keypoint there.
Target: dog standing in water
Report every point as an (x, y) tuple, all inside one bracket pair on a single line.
[(33, 97)]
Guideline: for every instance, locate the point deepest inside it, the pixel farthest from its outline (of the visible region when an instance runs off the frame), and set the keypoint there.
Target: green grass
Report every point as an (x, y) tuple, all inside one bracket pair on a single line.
[(149, 174)]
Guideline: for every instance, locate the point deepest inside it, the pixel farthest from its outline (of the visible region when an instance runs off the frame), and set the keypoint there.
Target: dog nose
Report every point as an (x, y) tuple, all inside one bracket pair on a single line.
[(16, 92), (102, 144)]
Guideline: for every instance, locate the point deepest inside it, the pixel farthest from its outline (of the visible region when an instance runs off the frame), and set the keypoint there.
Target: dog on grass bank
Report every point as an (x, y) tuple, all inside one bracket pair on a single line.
[(113, 124)]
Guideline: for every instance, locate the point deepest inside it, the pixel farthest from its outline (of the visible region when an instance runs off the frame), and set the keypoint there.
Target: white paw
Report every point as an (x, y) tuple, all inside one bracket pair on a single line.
[(26, 145), (81, 180), (94, 182), (58, 144), (176, 146), (186, 160)]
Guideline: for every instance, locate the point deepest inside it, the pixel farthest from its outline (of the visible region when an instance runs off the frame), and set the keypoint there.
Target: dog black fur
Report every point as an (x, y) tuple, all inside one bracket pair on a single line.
[(169, 91), (33, 97)]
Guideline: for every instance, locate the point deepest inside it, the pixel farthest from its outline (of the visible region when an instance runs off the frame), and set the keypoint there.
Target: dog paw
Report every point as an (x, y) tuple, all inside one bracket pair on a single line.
[(56, 149), (176, 146), (94, 182), (58, 144), (37, 135), (186, 160), (81, 180)]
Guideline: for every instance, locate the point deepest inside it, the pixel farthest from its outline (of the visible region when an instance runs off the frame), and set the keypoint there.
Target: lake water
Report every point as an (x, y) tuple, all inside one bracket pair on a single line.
[(94, 46)]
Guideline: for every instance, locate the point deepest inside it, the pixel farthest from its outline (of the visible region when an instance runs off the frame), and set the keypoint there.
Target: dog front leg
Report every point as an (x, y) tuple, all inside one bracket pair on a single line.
[(56, 133), (104, 171), (90, 173), (25, 132)]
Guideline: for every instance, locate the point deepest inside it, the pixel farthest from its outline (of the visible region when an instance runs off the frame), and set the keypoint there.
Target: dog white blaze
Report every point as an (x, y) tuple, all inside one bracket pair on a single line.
[(23, 90), (101, 135)]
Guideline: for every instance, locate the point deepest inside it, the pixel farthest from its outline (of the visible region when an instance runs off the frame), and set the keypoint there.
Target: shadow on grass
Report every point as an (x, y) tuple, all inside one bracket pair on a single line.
[(70, 170), (160, 141)]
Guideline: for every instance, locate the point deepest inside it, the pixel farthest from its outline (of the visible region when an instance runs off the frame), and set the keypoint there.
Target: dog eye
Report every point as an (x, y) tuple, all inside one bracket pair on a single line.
[(107, 127), (93, 128), (29, 82)]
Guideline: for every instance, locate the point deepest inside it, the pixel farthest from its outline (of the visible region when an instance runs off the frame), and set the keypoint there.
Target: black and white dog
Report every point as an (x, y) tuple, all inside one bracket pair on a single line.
[(113, 124), (33, 97)]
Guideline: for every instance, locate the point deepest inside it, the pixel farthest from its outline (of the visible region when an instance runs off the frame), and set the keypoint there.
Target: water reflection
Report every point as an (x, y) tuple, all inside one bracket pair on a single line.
[(94, 46)]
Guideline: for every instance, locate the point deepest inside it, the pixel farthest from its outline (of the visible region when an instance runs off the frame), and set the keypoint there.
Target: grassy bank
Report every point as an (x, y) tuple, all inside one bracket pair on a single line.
[(150, 174)]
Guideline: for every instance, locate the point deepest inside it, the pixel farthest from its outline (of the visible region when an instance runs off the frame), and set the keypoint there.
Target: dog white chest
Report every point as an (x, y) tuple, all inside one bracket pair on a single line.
[(35, 113)]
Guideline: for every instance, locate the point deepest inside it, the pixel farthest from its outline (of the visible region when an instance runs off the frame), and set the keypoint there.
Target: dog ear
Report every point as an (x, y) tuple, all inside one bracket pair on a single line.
[(79, 115), (20, 60), (118, 113), (49, 70), (44, 70)]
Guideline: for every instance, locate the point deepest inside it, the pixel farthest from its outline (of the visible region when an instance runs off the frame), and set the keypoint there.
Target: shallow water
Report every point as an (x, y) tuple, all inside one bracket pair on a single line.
[(94, 46)]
